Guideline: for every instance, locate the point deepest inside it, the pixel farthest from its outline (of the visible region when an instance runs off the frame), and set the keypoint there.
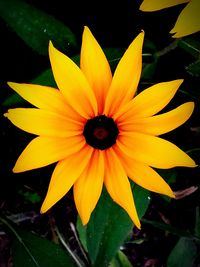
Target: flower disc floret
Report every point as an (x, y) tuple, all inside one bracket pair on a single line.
[(101, 132)]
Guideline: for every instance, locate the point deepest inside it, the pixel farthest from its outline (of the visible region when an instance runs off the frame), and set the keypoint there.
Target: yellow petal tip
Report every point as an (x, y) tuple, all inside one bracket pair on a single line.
[(138, 225), (11, 84), (84, 223), (87, 33), (142, 31), (5, 114), (50, 46), (135, 220), (8, 113), (194, 165), (17, 168), (141, 35), (86, 28), (180, 81), (15, 86), (172, 195), (84, 220), (14, 170), (44, 209)]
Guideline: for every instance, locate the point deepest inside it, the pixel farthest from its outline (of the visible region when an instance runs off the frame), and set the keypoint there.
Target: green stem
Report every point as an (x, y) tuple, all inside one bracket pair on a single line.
[(193, 150), (167, 49), (75, 258), (79, 243)]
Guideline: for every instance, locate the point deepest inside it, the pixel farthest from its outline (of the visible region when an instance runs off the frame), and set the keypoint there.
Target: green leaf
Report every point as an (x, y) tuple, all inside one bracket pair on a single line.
[(45, 78), (113, 55), (183, 254), (120, 260), (148, 70), (34, 251), (149, 59), (32, 197), (190, 45), (13, 100), (149, 46), (194, 68), (36, 27), (171, 229), (82, 233), (110, 225)]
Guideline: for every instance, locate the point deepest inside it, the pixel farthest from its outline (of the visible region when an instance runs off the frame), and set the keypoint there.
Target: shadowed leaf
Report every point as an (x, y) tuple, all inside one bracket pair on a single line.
[(120, 260), (36, 27), (110, 225), (34, 251), (183, 254)]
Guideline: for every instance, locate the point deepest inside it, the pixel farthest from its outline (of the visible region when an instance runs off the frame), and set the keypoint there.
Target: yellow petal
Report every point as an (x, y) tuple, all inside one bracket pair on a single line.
[(118, 185), (72, 83), (126, 77), (153, 151), (42, 122), (45, 97), (64, 176), (159, 124), (153, 5), (144, 175), (96, 68), (188, 21), (43, 151), (149, 101), (88, 187)]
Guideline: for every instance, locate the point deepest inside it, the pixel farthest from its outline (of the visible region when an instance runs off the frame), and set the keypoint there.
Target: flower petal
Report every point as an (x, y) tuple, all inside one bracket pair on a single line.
[(43, 151), (64, 176), (159, 124), (42, 122), (188, 21), (88, 187), (153, 151), (149, 101), (126, 77), (144, 175), (96, 68), (153, 5), (118, 186), (45, 97), (72, 83)]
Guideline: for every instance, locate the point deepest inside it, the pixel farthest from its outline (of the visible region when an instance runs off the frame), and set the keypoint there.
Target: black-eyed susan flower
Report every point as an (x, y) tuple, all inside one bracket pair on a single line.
[(188, 21), (97, 130)]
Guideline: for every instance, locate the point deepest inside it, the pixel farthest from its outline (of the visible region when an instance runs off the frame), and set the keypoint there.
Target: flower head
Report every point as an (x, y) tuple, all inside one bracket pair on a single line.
[(188, 21), (98, 130)]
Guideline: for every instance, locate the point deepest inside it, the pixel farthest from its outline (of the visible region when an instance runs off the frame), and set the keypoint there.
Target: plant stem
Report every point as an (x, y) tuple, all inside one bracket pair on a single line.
[(78, 241), (75, 257), (167, 49)]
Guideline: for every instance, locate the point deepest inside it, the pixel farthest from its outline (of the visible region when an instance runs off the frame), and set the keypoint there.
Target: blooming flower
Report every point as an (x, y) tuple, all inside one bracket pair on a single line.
[(188, 21), (97, 130)]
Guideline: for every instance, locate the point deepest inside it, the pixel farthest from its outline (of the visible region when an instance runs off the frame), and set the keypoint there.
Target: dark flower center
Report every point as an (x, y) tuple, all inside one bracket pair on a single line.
[(101, 132)]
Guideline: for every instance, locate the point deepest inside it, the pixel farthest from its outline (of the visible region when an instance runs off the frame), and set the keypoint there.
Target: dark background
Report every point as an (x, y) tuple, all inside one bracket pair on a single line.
[(114, 24)]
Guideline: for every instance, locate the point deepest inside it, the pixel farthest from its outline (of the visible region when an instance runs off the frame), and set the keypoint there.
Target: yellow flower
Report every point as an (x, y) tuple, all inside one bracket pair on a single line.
[(188, 21), (96, 131)]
